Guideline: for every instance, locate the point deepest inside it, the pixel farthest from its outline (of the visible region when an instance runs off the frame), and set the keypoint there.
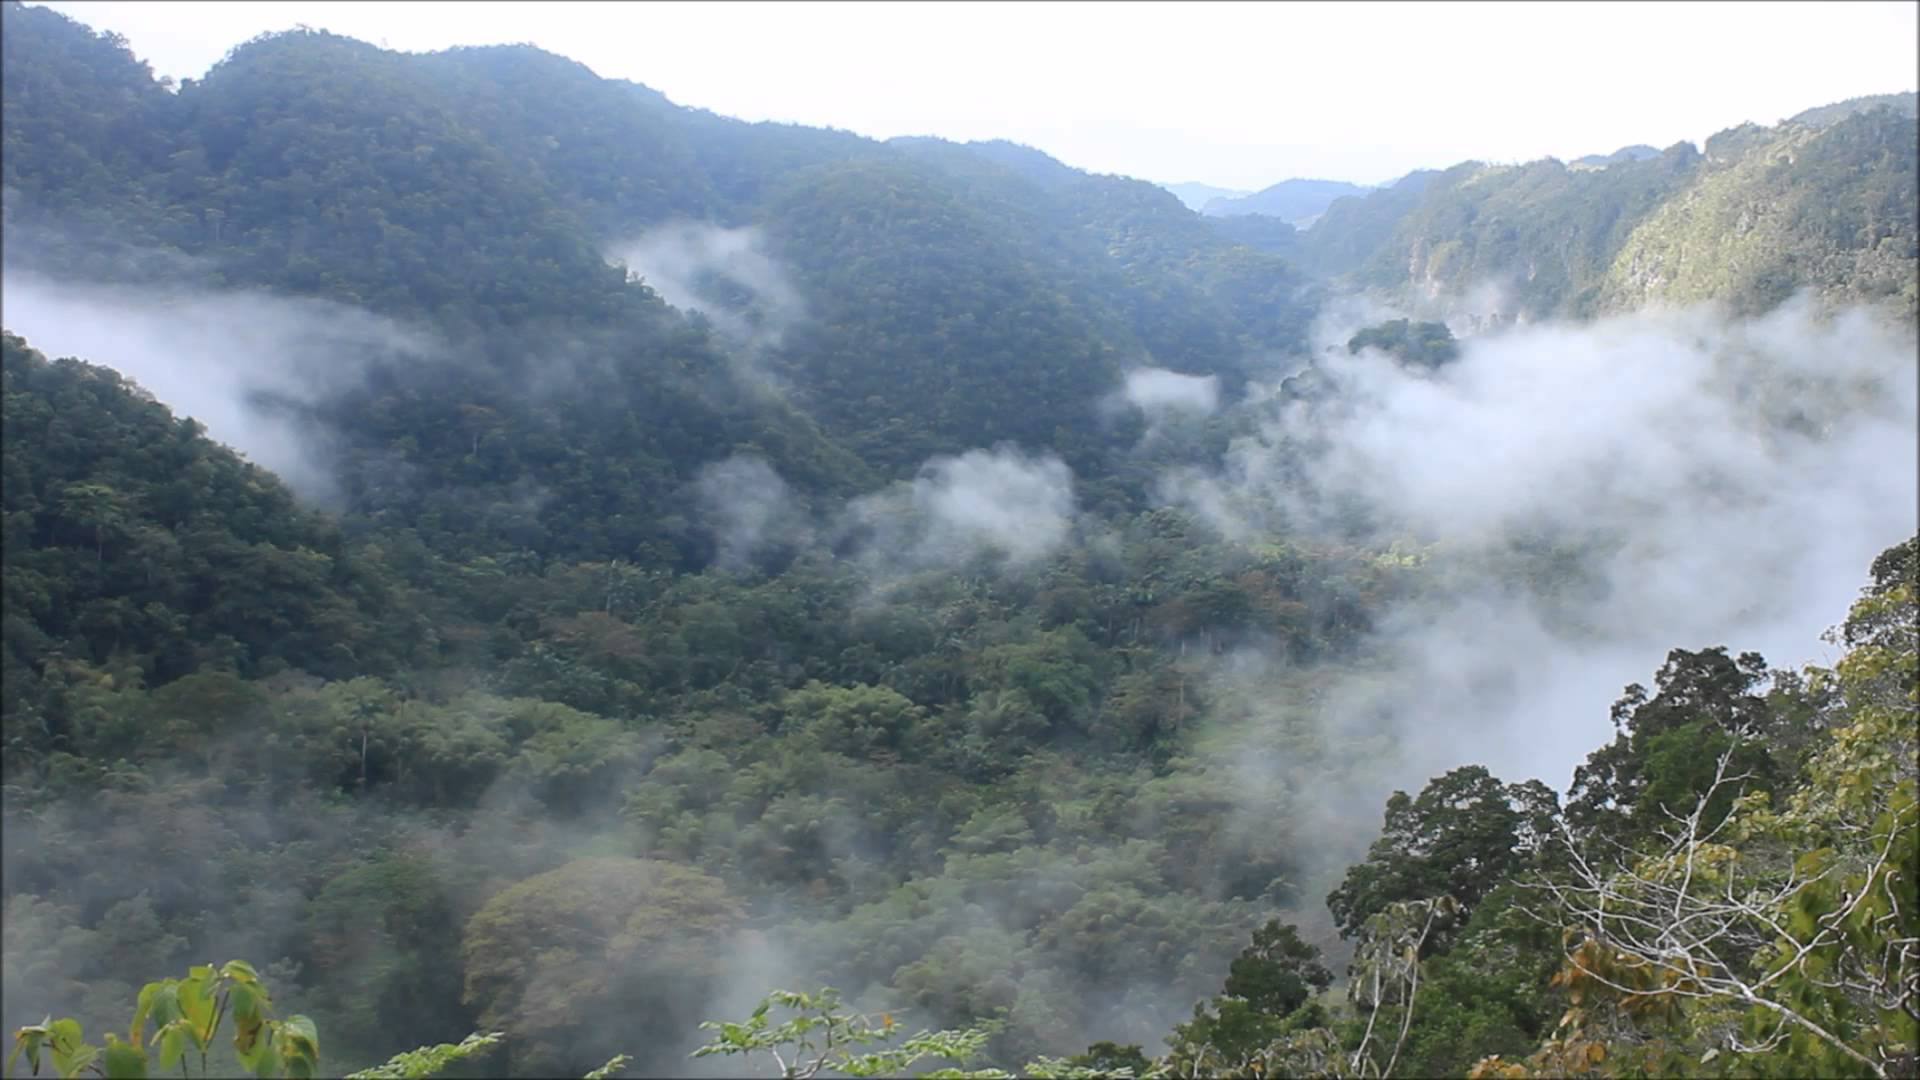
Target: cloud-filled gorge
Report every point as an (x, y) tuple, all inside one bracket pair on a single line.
[(668, 559), (1680, 455), (1642, 471), (1683, 457)]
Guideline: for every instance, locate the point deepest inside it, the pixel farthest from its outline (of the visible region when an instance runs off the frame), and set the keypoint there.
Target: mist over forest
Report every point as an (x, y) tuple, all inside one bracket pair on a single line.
[(496, 552)]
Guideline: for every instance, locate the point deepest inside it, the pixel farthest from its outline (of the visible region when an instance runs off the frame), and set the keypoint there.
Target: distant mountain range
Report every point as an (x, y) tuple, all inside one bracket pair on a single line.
[(1197, 195), (913, 297), (954, 295), (1294, 201)]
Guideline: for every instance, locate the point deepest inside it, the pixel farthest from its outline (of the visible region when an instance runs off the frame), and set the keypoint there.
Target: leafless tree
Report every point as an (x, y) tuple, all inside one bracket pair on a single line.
[(1698, 920)]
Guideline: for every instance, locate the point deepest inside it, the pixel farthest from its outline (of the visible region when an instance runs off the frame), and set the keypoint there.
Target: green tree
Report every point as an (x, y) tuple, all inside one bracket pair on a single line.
[(547, 957), (97, 507), (1464, 834), (1424, 346), (1662, 756), (1278, 972)]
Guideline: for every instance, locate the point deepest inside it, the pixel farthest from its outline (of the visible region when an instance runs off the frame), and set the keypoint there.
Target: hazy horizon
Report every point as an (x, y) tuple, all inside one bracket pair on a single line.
[(1187, 94)]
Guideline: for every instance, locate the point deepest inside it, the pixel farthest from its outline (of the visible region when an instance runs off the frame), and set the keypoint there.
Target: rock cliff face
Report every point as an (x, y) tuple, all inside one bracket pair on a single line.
[(1824, 202), (1826, 209)]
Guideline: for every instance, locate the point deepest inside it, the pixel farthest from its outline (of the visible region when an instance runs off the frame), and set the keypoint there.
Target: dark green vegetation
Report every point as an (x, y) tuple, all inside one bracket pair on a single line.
[(1743, 905), (1746, 906), (1424, 346), (568, 722)]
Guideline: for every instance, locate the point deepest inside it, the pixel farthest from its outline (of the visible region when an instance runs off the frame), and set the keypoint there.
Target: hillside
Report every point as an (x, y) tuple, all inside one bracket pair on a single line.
[(1735, 224), (135, 545), (1829, 209), (1102, 639), (490, 208), (1636, 152), (489, 212), (1907, 104)]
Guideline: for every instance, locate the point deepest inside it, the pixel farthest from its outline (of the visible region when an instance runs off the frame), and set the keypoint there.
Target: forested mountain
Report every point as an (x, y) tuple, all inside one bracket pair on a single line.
[(198, 560), (711, 556), (1294, 201), (1823, 202), (324, 166)]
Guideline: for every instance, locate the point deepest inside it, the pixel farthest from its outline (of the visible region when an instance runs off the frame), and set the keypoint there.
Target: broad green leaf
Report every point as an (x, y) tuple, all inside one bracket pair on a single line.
[(240, 969), (27, 1039), (166, 1003), (299, 1045), (142, 1006), (303, 1029), (123, 1062), (243, 1003), (171, 1041), (74, 1060), (247, 1038), (30, 1039), (257, 1055), (196, 1002)]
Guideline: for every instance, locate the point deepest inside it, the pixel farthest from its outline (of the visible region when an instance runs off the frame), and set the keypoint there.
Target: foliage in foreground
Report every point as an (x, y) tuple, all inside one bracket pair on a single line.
[(820, 1036), (1691, 922), (186, 1015)]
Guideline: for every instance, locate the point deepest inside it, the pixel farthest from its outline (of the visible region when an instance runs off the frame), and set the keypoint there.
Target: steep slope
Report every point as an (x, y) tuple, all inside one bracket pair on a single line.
[(1195, 298), (1828, 209), (135, 545), (480, 191), (1259, 232), (1825, 202), (1542, 232), (1353, 229), (83, 126), (963, 345), (1202, 302)]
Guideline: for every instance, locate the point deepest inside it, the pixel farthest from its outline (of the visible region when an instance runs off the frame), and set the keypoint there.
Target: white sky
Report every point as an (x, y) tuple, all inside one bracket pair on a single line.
[(1235, 94)]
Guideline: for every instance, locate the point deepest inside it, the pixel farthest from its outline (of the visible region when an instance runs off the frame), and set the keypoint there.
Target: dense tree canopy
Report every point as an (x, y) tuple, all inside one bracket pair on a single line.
[(760, 555)]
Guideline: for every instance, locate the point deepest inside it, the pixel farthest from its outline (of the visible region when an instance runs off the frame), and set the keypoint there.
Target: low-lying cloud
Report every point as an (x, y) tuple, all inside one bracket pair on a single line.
[(725, 274), (244, 364), (748, 507), (999, 501), (1158, 392), (1588, 496)]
